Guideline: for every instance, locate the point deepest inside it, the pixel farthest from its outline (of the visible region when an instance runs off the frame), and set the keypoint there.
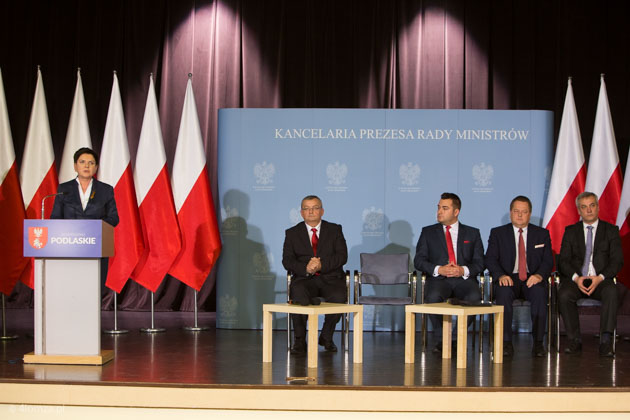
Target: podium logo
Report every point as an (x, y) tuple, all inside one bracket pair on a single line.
[(37, 237)]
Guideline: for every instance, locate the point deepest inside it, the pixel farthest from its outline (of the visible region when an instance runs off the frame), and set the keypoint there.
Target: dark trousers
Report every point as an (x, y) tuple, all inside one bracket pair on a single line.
[(330, 289), (535, 295), (438, 289), (569, 293)]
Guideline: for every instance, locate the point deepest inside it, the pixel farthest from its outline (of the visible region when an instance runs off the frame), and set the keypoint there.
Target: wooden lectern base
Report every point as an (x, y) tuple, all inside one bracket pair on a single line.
[(52, 359)]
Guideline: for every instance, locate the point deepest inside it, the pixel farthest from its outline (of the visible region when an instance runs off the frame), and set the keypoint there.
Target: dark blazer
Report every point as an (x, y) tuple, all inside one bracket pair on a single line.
[(331, 248), (101, 205), (607, 252), (501, 253), (431, 250)]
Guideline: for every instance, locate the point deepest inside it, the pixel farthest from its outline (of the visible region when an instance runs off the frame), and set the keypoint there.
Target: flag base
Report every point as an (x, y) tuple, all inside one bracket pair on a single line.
[(196, 328), (115, 331)]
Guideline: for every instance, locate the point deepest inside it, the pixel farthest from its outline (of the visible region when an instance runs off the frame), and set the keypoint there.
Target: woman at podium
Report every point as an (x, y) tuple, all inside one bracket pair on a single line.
[(85, 197)]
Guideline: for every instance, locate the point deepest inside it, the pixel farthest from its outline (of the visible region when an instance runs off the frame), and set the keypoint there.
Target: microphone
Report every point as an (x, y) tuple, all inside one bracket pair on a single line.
[(48, 196)]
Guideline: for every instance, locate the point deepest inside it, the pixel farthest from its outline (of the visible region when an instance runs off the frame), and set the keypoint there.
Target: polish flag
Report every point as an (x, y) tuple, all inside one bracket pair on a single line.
[(568, 176), (162, 239), (38, 175), (11, 206), (604, 173), (115, 170), (78, 134), (201, 243), (623, 221)]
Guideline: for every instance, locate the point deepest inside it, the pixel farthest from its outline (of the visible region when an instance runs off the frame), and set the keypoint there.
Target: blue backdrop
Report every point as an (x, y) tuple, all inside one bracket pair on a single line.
[(379, 174)]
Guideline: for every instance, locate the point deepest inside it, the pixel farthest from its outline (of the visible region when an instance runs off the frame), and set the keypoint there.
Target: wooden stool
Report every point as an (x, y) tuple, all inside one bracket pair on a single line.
[(462, 313), (313, 311)]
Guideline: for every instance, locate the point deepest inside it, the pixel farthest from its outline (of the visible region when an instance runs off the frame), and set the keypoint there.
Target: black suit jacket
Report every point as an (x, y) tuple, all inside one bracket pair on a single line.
[(331, 249), (501, 253), (431, 249), (607, 252), (101, 205)]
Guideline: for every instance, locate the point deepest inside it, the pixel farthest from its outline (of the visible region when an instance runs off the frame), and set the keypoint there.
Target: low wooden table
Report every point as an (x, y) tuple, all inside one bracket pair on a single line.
[(313, 311), (447, 311)]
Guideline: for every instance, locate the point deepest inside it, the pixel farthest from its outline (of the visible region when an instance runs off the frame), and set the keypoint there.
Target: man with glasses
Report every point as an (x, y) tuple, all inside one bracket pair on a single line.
[(315, 252), (520, 260)]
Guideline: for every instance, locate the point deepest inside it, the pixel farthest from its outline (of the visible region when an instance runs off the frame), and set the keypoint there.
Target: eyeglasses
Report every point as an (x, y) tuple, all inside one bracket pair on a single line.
[(314, 208)]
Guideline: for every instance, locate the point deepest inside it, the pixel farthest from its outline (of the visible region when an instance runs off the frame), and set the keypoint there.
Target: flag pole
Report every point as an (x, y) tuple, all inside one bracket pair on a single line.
[(153, 329), (4, 336), (196, 327), (115, 330)]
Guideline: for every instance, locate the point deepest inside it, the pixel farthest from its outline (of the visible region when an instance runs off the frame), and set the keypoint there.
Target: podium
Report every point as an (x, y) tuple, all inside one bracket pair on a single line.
[(68, 289)]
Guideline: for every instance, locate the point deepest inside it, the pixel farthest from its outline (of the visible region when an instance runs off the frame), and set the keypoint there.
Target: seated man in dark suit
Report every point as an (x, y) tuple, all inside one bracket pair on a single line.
[(520, 259), (315, 252), (590, 256), (451, 255)]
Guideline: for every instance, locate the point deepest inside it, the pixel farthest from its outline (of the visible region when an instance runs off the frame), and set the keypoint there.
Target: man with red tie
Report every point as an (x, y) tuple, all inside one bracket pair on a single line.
[(520, 259), (451, 256), (315, 252)]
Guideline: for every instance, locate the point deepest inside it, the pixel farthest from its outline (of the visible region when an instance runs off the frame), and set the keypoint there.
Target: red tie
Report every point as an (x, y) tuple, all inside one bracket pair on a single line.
[(522, 258), (314, 241), (449, 245)]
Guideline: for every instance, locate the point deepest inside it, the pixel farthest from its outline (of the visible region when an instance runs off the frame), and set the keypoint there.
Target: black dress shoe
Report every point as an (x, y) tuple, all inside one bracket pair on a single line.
[(438, 347), (575, 347), (605, 349), (299, 347), (316, 301), (329, 345), (508, 349), (539, 349)]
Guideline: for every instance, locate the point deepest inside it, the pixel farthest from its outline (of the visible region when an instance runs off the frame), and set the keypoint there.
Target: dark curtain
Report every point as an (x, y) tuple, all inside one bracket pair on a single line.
[(479, 54)]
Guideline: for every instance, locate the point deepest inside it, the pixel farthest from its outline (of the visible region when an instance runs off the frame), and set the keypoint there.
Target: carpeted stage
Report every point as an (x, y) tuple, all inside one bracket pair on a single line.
[(219, 370)]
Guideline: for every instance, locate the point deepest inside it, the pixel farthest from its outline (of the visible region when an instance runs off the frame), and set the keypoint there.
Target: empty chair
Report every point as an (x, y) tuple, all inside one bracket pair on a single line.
[(384, 270)]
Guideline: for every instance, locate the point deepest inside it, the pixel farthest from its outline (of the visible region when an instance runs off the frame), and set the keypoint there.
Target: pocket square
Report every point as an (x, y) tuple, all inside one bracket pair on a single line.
[(539, 246)]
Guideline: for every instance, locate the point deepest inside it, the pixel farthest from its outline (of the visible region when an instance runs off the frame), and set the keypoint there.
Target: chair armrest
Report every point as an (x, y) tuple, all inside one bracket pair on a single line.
[(357, 286), (347, 286), (414, 286)]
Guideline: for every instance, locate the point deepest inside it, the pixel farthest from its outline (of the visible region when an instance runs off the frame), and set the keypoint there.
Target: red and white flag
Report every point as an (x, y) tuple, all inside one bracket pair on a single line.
[(78, 134), (568, 176), (162, 239), (11, 206), (604, 173), (38, 175), (115, 170), (201, 243), (623, 221)]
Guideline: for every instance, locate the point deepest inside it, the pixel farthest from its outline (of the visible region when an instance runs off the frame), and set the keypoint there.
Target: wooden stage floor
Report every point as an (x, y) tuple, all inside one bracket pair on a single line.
[(232, 359)]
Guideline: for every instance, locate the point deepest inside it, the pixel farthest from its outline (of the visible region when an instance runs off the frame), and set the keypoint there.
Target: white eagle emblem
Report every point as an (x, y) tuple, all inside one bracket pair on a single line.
[(260, 262), (228, 217), (373, 218), (336, 173), (264, 173), (482, 174), (409, 174), (38, 237), (227, 306)]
